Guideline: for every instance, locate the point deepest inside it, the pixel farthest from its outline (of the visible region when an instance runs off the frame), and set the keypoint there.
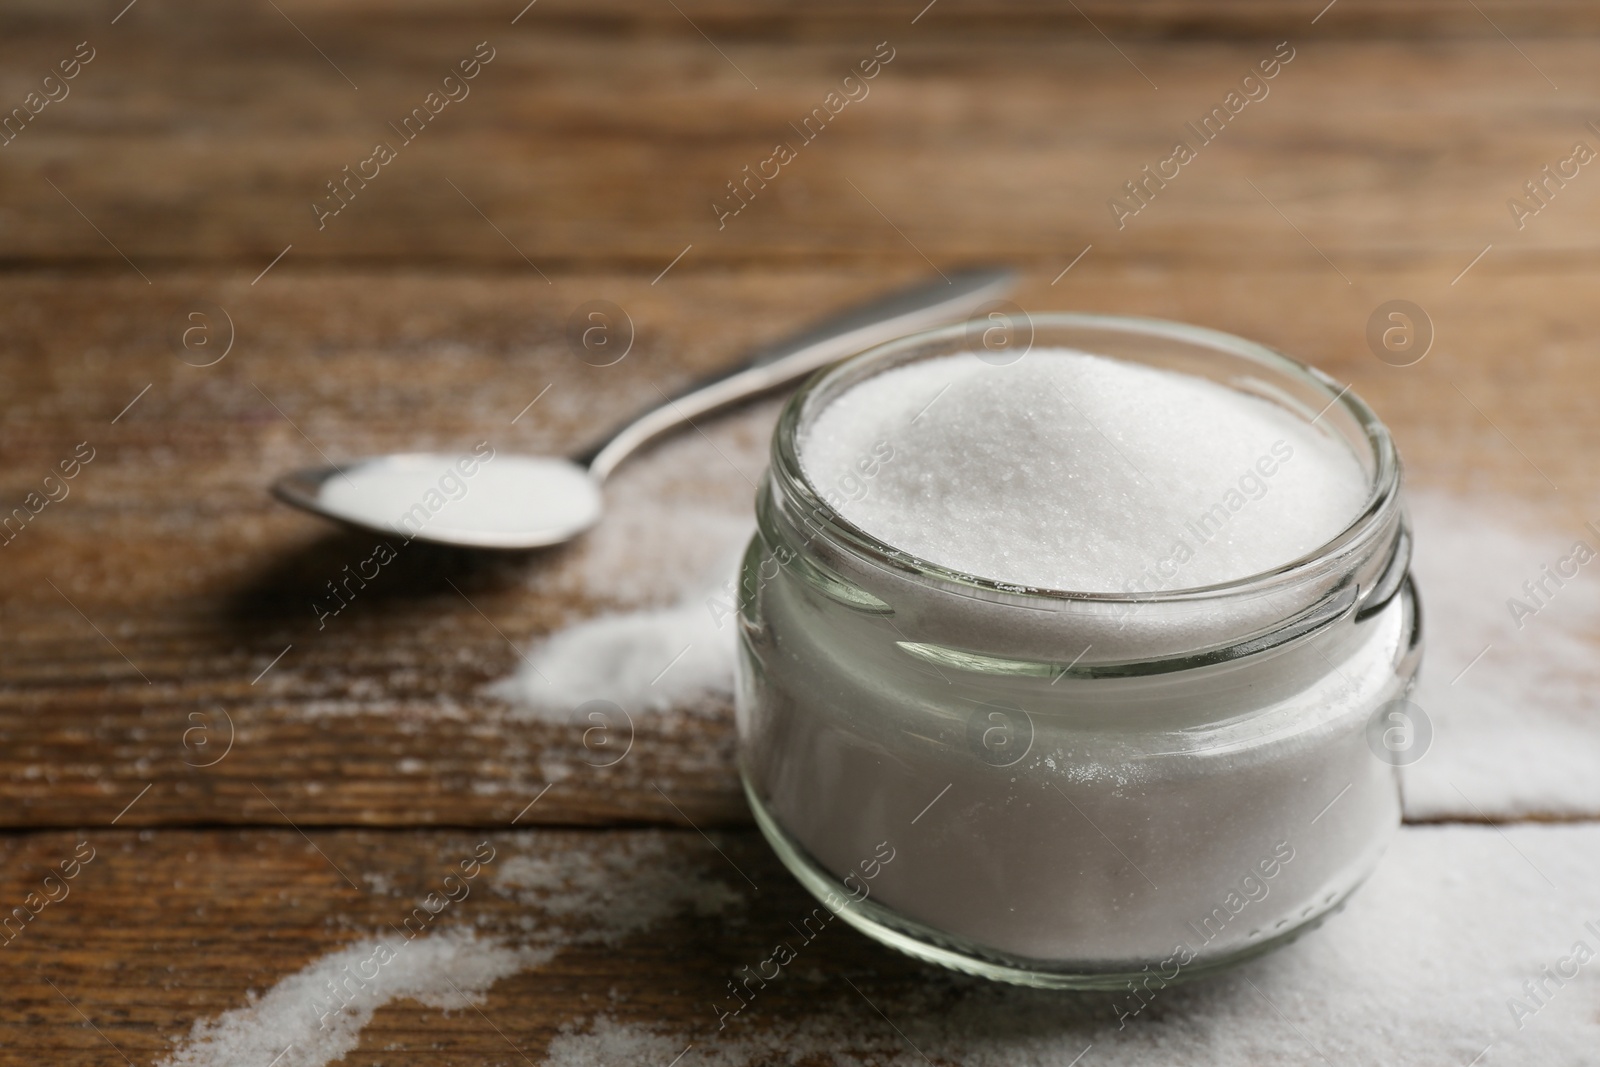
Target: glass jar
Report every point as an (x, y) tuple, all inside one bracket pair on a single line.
[(1064, 789)]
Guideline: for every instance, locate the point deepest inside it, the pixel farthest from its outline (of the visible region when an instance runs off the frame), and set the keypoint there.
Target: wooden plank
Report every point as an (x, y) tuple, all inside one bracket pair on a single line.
[(598, 141), (188, 575), (791, 19)]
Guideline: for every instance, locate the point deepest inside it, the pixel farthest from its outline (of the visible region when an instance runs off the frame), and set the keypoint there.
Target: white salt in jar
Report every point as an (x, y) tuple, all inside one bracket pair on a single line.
[(1091, 645)]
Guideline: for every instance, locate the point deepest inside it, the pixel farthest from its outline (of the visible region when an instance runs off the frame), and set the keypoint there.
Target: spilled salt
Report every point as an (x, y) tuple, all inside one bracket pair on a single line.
[(604, 896), (572, 893), (1072, 471), (1511, 698), (289, 1025), (640, 661)]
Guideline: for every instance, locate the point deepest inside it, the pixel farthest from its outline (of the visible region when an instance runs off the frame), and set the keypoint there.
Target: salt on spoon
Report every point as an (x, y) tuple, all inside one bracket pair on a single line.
[(521, 502), (475, 499)]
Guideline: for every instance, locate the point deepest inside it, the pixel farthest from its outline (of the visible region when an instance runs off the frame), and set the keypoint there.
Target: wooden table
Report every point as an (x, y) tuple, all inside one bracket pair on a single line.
[(166, 593)]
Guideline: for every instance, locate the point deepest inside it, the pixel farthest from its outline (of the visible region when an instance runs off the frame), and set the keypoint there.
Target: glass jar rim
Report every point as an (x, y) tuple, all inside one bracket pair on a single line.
[(1370, 522)]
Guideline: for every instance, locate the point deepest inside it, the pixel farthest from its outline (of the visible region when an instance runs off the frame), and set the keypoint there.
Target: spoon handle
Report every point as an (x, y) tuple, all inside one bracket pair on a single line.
[(789, 360)]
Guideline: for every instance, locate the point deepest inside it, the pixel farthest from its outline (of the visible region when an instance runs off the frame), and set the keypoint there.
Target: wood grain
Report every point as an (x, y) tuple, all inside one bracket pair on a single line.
[(597, 141)]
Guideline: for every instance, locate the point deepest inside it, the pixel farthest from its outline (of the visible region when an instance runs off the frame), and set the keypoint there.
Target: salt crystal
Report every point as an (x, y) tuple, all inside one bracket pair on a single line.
[(1066, 470)]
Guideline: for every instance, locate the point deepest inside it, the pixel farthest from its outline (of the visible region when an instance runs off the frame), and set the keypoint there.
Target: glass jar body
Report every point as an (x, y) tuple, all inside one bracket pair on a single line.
[(1053, 829), (1075, 790)]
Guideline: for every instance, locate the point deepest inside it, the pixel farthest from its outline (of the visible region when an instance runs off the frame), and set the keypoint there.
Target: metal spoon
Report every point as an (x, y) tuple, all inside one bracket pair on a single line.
[(520, 502)]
